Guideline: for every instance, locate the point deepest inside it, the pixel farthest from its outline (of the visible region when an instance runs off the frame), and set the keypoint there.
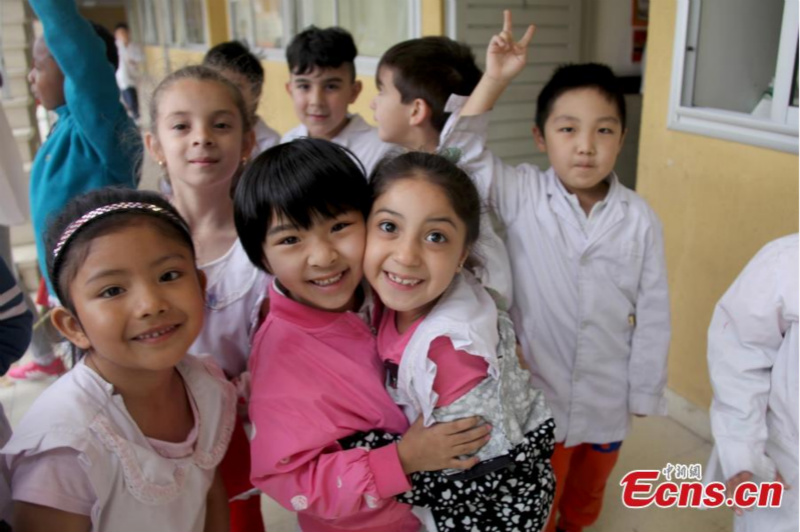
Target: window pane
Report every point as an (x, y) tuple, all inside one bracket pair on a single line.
[(268, 23), (320, 13), (375, 24), (732, 72), (150, 24), (175, 32), (195, 20), (241, 20)]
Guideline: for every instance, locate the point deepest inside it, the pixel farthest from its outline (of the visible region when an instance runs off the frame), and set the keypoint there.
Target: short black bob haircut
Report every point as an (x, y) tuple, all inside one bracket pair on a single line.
[(431, 68), (321, 48), (302, 181), (235, 56), (580, 76)]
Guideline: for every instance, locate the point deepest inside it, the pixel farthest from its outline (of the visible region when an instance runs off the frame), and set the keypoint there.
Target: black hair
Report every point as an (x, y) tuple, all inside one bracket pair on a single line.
[(439, 171), (109, 42), (321, 48), (121, 26), (199, 73), (302, 181), (63, 269), (431, 68), (236, 56), (580, 76)]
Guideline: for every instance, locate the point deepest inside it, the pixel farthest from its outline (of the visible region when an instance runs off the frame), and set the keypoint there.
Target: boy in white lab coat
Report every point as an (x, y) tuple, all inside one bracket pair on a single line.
[(753, 365), (591, 306)]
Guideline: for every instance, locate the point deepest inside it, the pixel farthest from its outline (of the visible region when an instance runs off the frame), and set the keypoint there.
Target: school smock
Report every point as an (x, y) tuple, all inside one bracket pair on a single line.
[(317, 378), (266, 137), (235, 290), (93, 143), (495, 268), (591, 307), (358, 137), (137, 489), (753, 366)]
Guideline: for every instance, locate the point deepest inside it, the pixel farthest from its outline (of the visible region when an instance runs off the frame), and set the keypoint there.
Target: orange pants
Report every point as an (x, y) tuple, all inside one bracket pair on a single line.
[(581, 475), (235, 471)]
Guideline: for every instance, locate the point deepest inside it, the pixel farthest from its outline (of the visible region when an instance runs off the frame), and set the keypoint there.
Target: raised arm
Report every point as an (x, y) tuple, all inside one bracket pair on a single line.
[(90, 87), (505, 59)]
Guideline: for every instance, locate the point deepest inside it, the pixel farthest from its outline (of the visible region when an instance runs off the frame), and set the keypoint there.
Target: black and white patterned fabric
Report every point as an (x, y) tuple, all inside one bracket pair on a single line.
[(510, 493)]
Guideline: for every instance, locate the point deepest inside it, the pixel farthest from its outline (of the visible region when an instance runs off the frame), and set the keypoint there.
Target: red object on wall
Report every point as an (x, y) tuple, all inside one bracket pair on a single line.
[(639, 40)]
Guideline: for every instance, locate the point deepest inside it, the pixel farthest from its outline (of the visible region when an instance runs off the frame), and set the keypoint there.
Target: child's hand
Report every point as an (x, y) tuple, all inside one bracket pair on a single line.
[(439, 446), (504, 57), (746, 476)]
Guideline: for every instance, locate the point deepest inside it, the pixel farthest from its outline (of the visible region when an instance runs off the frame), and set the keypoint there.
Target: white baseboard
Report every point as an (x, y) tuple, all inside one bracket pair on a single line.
[(688, 414)]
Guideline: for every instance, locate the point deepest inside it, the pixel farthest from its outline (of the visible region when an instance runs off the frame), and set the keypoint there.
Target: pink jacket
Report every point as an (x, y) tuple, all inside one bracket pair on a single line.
[(316, 378)]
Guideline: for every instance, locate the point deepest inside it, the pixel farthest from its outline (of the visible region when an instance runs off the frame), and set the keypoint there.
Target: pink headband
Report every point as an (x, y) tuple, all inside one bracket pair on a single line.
[(73, 228)]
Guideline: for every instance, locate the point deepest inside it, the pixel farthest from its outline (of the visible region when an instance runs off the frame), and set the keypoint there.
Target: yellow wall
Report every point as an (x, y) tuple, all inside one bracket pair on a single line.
[(719, 202)]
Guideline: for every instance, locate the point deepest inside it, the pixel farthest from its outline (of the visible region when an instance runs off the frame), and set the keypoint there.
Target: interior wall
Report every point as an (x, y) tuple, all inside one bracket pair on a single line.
[(106, 16)]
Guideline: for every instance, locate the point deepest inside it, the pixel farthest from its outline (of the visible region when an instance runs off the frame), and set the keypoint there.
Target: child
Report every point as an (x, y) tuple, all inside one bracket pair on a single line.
[(590, 285), (753, 364), (201, 137), (322, 84), (92, 144), (130, 56), (316, 376), (449, 351), (16, 323), (129, 439), (237, 63), (415, 81)]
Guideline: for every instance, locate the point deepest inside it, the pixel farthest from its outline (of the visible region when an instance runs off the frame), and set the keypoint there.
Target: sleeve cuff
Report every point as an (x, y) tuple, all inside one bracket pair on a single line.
[(647, 404), (736, 456), (390, 480)]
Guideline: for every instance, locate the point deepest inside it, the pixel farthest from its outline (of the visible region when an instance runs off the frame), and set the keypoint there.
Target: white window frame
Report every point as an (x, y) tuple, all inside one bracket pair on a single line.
[(779, 132), (365, 65)]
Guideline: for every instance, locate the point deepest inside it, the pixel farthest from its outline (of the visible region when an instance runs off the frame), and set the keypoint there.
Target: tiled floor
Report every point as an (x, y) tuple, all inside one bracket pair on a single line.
[(653, 443)]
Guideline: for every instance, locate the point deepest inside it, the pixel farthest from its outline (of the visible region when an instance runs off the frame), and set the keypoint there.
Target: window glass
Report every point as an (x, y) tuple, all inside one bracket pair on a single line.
[(731, 72), (195, 21)]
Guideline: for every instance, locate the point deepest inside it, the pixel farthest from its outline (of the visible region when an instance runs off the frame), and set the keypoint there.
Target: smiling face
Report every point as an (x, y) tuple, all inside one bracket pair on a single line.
[(320, 266), (138, 301), (583, 136), (415, 246), (321, 98), (199, 134), (46, 78)]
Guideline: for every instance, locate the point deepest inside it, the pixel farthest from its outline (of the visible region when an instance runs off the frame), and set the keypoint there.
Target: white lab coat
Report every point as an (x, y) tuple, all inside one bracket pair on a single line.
[(753, 365), (591, 306), (13, 188), (358, 137)]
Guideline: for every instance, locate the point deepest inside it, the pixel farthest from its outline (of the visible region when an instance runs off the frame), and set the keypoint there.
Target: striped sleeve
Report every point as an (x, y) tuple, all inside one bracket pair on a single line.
[(16, 320)]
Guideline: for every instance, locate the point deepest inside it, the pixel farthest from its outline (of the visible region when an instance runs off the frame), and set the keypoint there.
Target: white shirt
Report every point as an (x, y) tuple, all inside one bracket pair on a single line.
[(358, 137), (753, 364), (495, 269), (591, 306), (266, 137), (235, 290), (128, 69), (13, 187), (137, 489)]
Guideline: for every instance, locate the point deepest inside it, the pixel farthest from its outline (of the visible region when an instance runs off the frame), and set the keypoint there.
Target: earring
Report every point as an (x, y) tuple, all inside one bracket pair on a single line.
[(460, 267)]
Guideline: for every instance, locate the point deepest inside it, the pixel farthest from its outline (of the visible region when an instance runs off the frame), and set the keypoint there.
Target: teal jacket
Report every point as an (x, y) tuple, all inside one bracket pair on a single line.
[(93, 143)]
